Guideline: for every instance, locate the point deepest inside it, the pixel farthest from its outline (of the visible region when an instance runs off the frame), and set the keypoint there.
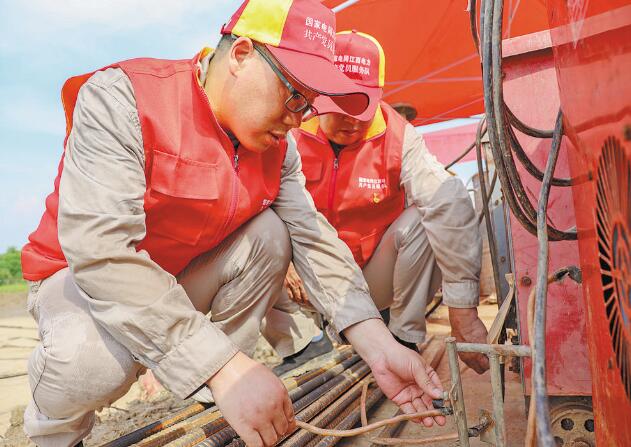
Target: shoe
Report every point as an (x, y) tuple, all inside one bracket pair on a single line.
[(311, 351)]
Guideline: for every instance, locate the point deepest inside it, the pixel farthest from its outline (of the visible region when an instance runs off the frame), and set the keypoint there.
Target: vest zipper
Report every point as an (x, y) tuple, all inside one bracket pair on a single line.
[(336, 165), (233, 200), (235, 187), (235, 190)]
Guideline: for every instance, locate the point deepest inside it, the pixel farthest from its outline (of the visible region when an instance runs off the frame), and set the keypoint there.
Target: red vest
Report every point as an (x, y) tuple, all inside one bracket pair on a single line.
[(198, 190), (359, 192)]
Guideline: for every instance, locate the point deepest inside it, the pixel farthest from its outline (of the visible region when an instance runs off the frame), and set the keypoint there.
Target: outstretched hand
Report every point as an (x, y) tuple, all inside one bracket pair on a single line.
[(401, 373)]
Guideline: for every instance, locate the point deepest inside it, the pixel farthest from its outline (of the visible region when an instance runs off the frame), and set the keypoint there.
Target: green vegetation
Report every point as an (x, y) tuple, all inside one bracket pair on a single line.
[(11, 271), (14, 288)]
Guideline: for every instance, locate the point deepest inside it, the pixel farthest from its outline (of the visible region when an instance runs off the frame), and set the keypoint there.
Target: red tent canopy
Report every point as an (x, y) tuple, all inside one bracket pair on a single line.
[(431, 61)]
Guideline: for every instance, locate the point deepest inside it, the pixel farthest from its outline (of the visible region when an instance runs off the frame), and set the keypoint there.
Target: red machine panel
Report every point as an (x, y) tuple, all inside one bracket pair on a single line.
[(592, 52), (530, 90)]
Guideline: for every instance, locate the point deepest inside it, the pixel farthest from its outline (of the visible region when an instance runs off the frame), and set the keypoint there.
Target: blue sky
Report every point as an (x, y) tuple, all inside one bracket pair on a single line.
[(44, 42)]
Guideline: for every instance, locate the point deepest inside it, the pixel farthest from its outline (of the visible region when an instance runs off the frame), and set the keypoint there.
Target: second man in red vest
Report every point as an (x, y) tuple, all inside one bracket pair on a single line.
[(410, 225)]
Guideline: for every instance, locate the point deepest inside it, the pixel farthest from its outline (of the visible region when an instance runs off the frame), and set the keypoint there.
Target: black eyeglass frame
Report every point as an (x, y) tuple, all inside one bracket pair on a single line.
[(307, 109)]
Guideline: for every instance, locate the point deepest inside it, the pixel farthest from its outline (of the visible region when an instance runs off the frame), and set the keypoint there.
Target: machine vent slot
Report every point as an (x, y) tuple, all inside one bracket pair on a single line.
[(613, 223)]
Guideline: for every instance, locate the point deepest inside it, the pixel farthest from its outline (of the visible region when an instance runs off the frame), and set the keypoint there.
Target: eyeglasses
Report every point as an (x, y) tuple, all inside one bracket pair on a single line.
[(296, 103)]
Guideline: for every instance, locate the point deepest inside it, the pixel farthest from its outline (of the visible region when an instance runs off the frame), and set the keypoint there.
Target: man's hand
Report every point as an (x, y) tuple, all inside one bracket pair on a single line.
[(400, 372), (253, 401), (295, 288), (467, 327)]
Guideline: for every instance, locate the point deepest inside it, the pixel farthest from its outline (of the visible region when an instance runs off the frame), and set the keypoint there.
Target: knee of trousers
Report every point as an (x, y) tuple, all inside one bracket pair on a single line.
[(270, 241), (408, 226), (77, 368)]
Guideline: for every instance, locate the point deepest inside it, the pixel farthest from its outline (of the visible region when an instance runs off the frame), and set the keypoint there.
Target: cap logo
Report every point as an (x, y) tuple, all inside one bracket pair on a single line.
[(352, 64), (321, 31)]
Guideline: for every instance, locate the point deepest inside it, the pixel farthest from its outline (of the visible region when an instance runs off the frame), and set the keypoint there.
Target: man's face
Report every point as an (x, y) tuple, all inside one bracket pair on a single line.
[(257, 113), (343, 129)]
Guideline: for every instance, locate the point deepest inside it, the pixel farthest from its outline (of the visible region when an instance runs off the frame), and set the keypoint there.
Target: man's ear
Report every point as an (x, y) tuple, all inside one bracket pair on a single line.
[(241, 50)]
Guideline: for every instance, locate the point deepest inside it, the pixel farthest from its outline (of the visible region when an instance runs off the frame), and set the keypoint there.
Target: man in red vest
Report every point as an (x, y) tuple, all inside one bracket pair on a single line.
[(407, 221), (175, 213)]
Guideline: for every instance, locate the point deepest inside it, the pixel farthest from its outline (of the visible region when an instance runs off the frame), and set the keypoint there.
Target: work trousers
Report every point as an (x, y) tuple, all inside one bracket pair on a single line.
[(78, 367), (402, 275)]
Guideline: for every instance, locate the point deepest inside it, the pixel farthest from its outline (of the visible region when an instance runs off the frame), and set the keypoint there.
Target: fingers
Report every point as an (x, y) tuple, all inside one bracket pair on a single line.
[(280, 424), (303, 293), (430, 385), (268, 435), (420, 405), (288, 409), (290, 294), (251, 438), (434, 378)]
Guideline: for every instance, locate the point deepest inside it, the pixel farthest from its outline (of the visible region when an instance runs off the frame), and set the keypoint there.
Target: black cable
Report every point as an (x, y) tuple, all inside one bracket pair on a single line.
[(524, 128), (435, 306), (488, 199), (513, 188), (461, 156), (485, 209), (487, 80), (544, 433), (529, 165)]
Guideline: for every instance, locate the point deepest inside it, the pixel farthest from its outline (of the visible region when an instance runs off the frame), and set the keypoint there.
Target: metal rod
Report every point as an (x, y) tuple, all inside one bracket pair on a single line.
[(458, 398), (172, 433), (498, 401), (311, 404), (506, 350), (351, 420), (321, 379), (197, 415), (157, 426), (335, 423), (301, 437), (403, 441), (540, 392)]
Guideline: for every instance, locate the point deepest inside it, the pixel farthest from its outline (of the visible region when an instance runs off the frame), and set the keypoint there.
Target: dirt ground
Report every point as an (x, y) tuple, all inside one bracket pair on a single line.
[(18, 336), (142, 405)]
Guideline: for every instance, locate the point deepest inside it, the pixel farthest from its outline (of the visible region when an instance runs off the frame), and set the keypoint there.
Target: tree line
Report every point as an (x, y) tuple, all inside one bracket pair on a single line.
[(10, 267)]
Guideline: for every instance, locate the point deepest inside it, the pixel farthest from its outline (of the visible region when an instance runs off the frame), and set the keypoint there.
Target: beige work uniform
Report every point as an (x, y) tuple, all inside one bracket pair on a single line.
[(115, 312), (436, 237)]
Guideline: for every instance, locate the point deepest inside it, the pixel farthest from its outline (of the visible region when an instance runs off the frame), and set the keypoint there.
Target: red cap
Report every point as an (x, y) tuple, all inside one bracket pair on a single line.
[(300, 34), (360, 57)]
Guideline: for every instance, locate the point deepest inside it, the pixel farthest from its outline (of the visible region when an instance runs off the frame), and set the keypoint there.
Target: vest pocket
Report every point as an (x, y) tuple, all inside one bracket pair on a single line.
[(180, 197), (312, 168)]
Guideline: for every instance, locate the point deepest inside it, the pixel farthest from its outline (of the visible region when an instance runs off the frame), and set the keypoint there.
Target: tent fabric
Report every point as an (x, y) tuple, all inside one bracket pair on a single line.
[(448, 144), (431, 61)]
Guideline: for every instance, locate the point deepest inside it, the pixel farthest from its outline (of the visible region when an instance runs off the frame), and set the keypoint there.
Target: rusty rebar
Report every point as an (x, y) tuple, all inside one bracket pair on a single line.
[(210, 421), (170, 434), (159, 425), (323, 378), (416, 441), (301, 437), (335, 422), (306, 407), (344, 353), (351, 420)]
